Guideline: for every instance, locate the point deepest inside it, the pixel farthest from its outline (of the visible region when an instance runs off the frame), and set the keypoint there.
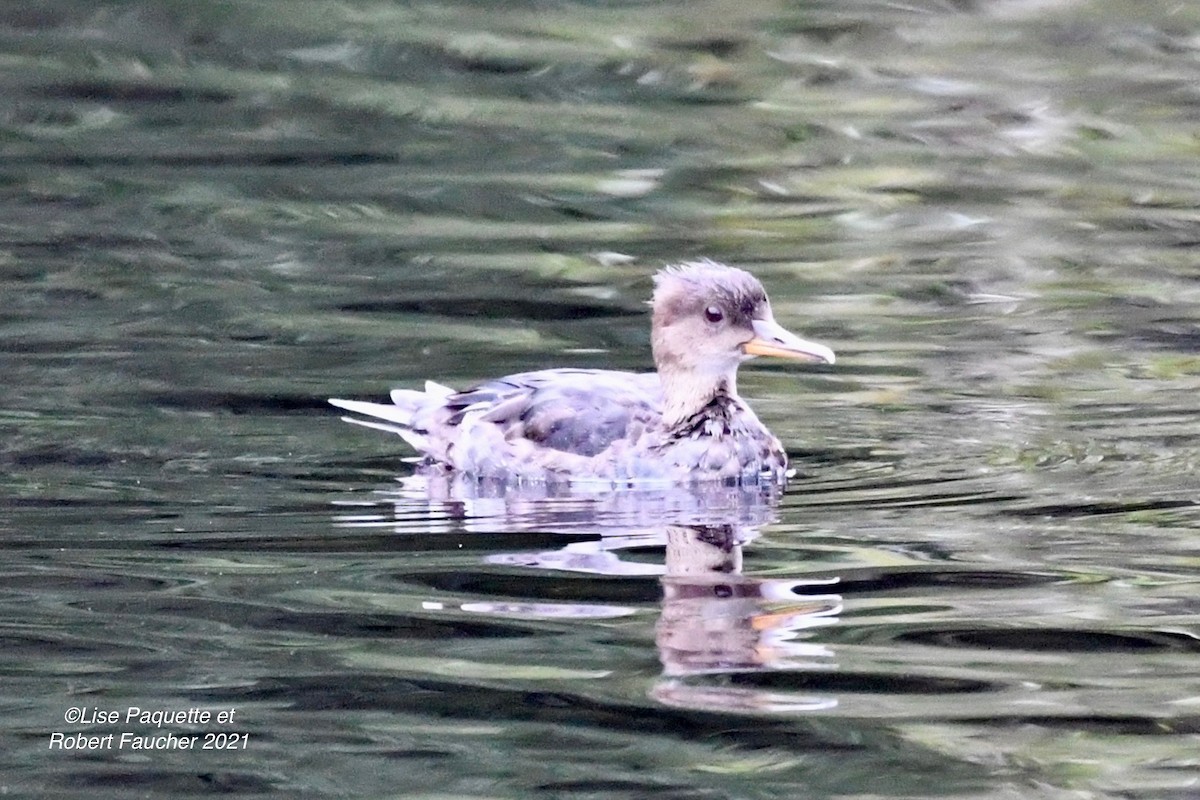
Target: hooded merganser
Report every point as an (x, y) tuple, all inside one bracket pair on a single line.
[(684, 423)]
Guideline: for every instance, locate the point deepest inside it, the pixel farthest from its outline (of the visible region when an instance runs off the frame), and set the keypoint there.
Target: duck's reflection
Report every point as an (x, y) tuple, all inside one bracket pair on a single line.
[(718, 628), (717, 621)]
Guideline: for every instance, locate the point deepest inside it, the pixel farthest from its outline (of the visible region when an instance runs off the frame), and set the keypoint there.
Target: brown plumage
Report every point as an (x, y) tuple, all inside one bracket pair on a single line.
[(683, 423)]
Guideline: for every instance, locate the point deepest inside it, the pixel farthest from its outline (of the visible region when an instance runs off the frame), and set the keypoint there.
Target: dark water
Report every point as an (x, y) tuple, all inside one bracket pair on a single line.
[(983, 582)]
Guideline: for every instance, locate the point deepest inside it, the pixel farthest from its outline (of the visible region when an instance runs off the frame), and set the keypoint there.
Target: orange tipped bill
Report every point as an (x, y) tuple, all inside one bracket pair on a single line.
[(772, 339)]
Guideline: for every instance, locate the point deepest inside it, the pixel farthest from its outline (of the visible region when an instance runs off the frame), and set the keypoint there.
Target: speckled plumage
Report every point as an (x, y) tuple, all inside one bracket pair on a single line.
[(684, 423)]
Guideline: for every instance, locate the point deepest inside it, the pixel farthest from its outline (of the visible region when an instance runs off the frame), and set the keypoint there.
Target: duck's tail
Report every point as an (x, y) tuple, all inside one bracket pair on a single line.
[(406, 415)]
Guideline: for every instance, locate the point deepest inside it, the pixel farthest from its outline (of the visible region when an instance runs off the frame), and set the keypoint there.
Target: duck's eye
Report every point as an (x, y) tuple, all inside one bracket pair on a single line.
[(714, 314)]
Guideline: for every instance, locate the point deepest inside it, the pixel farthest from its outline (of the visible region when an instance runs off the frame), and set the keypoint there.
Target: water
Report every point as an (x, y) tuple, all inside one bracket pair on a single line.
[(981, 584)]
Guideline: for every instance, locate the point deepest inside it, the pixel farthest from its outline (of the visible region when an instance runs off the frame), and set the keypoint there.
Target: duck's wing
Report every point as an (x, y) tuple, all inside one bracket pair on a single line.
[(577, 411)]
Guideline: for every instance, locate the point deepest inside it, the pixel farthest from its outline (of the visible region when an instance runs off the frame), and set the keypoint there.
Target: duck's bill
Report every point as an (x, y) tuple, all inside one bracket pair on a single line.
[(771, 339)]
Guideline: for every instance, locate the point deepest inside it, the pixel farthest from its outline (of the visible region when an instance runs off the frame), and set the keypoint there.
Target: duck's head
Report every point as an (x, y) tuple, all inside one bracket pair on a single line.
[(708, 318)]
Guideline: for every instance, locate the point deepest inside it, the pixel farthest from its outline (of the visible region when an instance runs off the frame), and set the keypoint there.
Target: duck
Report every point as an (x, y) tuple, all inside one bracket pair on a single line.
[(683, 423)]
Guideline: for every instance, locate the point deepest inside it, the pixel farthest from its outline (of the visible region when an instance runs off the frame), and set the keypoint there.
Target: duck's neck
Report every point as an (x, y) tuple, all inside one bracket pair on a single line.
[(686, 393)]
